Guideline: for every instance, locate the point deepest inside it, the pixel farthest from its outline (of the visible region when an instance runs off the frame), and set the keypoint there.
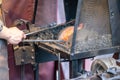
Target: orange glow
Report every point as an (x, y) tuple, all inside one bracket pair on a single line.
[(67, 32)]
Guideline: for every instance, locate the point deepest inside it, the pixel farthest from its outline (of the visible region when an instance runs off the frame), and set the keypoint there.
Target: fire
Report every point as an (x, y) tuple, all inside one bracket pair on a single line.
[(67, 32)]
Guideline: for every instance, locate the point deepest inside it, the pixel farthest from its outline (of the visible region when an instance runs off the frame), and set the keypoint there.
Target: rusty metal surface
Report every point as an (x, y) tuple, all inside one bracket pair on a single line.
[(95, 38), (95, 16), (93, 42), (96, 34), (53, 32), (55, 49), (24, 55)]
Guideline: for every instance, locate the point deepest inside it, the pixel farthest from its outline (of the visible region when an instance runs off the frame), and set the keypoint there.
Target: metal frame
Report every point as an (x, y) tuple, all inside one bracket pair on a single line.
[(44, 53), (114, 11), (115, 29), (77, 59)]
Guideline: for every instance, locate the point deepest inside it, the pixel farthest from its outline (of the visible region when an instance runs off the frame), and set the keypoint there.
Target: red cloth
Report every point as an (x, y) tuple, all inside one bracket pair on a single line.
[(17, 9), (15, 71), (46, 13)]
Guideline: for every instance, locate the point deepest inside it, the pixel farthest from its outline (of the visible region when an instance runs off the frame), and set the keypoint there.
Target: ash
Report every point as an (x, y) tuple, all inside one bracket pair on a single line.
[(97, 42)]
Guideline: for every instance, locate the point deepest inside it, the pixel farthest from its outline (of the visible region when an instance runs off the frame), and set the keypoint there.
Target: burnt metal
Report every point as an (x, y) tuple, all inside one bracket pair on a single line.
[(96, 32), (91, 40), (99, 36), (94, 39), (51, 32), (95, 36), (52, 49), (42, 55), (24, 55)]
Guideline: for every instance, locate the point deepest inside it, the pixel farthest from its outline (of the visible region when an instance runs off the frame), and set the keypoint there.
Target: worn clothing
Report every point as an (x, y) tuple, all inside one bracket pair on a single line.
[(4, 75), (13, 10), (46, 13), (17, 9)]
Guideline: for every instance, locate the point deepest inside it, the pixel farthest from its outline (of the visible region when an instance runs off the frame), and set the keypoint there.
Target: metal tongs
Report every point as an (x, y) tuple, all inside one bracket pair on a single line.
[(39, 40), (22, 21), (43, 41)]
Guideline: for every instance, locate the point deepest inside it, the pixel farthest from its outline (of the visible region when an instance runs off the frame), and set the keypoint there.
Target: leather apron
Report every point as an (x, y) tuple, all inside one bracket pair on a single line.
[(46, 13), (16, 9)]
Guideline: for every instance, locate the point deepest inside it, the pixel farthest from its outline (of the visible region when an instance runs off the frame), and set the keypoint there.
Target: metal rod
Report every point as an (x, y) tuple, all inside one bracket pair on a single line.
[(59, 62), (77, 20), (35, 32), (22, 72), (37, 71), (42, 40), (46, 28)]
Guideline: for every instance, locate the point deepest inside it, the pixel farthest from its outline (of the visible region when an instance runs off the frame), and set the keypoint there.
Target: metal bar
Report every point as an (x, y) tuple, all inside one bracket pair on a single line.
[(42, 40), (22, 72), (36, 71), (59, 70), (23, 65), (46, 28), (35, 32), (114, 21), (89, 54), (73, 68), (76, 25), (74, 64)]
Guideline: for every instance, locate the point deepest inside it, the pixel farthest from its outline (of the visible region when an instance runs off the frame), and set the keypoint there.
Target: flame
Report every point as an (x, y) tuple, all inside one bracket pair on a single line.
[(67, 32)]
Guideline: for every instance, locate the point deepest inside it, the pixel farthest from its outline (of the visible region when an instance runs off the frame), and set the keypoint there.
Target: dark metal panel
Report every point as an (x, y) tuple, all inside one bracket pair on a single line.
[(24, 55), (95, 53), (96, 33), (70, 9), (115, 21), (42, 55)]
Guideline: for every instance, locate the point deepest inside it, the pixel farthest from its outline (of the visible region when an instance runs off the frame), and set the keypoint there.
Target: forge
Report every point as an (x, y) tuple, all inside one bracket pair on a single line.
[(99, 35)]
